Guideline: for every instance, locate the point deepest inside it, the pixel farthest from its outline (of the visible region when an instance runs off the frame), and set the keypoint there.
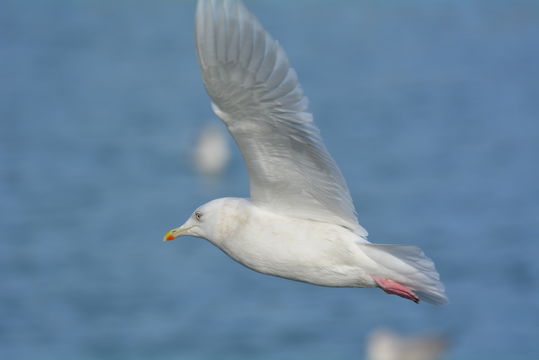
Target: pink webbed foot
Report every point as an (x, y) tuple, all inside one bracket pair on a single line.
[(393, 287)]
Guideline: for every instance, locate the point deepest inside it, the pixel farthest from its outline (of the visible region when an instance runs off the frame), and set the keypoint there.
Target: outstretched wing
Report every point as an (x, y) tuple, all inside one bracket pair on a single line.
[(258, 96)]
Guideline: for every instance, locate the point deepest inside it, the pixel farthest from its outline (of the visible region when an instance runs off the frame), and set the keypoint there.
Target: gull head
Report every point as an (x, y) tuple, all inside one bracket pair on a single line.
[(214, 221)]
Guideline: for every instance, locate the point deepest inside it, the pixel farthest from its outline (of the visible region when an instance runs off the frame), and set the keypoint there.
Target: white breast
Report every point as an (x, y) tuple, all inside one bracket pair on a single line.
[(298, 249)]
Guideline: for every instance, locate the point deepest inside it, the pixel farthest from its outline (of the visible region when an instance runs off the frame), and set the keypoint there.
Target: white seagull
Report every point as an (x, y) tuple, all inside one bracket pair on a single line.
[(212, 152), (384, 344), (300, 222)]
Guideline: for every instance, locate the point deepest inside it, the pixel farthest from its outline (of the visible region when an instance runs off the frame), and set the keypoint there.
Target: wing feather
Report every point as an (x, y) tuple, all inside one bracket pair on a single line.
[(257, 95)]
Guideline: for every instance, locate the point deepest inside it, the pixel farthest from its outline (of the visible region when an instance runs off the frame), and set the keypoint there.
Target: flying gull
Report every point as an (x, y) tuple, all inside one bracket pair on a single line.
[(299, 222)]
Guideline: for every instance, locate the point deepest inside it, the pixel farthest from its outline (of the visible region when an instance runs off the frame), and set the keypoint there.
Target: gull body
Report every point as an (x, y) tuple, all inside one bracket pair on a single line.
[(298, 249), (299, 222)]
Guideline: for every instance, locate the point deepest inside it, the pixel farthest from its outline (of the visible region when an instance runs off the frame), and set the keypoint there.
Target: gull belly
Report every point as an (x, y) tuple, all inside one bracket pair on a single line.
[(298, 249)]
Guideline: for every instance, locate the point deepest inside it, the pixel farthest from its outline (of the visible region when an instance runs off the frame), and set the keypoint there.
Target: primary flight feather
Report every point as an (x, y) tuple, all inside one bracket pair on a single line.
[(300, 221)]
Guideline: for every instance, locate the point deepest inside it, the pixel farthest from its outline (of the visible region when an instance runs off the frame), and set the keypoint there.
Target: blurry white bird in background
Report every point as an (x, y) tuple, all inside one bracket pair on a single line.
[(384, 344), (212, 150)]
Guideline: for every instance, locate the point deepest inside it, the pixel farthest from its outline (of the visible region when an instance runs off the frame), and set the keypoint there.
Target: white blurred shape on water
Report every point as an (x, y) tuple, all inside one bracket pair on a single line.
[(212, 152), (384, 344)]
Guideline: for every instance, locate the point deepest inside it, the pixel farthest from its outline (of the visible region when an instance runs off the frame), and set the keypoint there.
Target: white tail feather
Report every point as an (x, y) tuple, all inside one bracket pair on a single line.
[(409, 266)]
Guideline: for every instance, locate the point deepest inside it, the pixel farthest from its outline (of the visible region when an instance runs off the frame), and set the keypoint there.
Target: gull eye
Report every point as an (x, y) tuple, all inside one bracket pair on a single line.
[(198, 215)]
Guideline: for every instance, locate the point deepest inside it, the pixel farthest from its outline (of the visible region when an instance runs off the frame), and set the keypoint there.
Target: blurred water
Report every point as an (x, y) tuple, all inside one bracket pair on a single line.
[(430, 108)]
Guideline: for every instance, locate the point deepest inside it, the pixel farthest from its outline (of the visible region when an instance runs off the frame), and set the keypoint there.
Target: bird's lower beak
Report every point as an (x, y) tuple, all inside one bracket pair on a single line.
[(174, 233)]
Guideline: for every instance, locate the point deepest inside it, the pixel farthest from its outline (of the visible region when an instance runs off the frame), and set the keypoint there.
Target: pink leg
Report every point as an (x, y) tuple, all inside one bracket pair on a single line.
[(393, 287)]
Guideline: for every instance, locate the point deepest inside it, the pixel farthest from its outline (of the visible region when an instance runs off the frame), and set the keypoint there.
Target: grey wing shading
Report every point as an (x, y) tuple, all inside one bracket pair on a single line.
[(257, 95)]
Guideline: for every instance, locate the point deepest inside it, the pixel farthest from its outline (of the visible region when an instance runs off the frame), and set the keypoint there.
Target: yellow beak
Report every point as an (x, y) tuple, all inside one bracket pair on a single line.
[(174, 233)]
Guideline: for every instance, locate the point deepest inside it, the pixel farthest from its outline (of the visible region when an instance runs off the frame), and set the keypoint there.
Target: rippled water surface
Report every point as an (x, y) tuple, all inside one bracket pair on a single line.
[(430, 108)]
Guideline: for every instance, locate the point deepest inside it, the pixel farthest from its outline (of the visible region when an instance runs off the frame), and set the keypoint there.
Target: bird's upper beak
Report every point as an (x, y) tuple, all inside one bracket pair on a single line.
[(177, 232)]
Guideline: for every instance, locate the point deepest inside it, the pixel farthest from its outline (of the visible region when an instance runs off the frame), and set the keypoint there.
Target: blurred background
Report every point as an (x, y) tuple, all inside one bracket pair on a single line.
[(430, 108)]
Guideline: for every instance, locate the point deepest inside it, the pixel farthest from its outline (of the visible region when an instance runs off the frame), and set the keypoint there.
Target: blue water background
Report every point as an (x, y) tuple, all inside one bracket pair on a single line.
[(430, 108)]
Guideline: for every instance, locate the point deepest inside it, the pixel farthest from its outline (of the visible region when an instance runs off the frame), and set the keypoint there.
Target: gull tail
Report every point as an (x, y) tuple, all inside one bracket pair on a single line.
[(409, 266)]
